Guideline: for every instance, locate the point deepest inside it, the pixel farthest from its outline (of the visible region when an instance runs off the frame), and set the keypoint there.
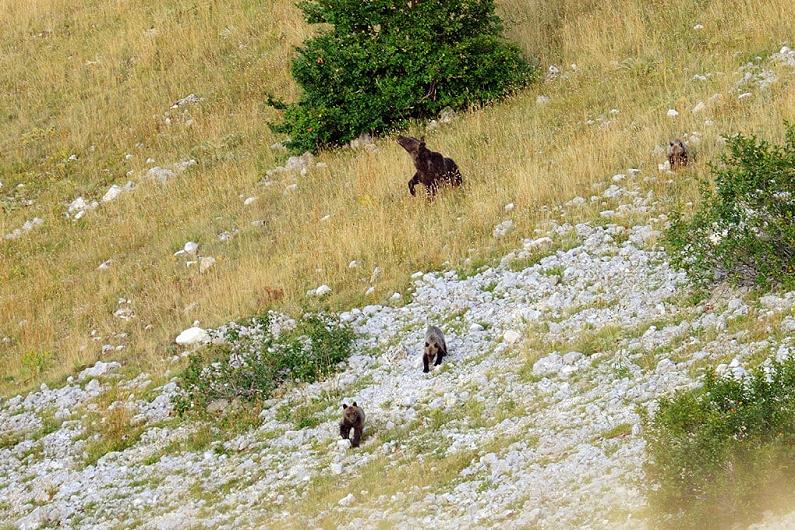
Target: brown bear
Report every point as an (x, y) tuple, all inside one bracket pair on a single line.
[(433, 169), (434, 347), (352, 418), (677, 154)]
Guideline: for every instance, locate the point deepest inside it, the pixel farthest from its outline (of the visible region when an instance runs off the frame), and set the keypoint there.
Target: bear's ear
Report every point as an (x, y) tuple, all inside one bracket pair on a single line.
[(354, 404), (344, 406)]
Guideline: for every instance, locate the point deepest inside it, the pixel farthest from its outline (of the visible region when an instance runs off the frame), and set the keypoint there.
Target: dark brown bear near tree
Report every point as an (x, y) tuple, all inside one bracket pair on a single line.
[(352, 418), (433, 169)]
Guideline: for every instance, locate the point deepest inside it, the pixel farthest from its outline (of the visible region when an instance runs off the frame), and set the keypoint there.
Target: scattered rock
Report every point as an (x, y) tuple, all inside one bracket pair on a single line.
[(348, 500), (98, 370), (26, 227), (78, 208), (511, 336), (115, 190), (295, 164), (446, 115), (160, 174), (191, 336), (364, 141), (190, 99), (503, 228), (319, 292), (206, 263), (164, 174)]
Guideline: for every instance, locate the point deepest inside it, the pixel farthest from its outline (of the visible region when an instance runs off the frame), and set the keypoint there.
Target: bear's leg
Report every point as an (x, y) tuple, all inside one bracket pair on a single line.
[(345, 430), (413, 182), (425, 364), (439, 356)]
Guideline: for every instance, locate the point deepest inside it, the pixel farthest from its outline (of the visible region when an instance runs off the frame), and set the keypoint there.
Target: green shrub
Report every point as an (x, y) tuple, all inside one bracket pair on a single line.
[(34, 363), (253, 361), (721, 454), (743, 230), (380, 63)]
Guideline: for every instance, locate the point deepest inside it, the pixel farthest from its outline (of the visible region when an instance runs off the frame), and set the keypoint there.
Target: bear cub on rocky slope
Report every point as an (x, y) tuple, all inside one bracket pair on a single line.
[(433, 169), (352, 418), (434, 347)]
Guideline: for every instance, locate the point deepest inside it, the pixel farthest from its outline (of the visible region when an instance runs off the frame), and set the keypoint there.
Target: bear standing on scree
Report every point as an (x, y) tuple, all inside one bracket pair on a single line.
[(435, 347), (352, 418), (433, 169)]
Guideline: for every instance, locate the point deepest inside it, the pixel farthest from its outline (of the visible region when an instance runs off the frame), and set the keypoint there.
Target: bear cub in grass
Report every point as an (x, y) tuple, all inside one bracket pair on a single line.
[(433, 169), (434, 347), (677, 154), (352, 418)]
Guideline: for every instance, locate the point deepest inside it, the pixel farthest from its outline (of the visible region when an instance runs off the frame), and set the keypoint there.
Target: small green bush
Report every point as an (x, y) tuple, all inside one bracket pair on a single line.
[(379, 63), (743, 230), (721, 454), (254, 361)]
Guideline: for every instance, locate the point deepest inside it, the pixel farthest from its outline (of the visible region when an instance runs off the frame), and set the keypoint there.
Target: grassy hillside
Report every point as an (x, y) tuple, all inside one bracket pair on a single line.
[(97, 81)]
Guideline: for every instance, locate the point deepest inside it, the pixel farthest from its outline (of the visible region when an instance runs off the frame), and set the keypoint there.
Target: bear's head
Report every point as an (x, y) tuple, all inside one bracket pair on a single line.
[(411, 144), (432, 347), (350, 413)]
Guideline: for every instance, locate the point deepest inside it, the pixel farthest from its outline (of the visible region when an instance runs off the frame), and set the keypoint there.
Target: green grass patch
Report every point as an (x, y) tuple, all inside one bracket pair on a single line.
[(619, 431)]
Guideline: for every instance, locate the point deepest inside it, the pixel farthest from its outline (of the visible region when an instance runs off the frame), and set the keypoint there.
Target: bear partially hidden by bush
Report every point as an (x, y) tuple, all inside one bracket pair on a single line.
[(352, 418), (433, 169)]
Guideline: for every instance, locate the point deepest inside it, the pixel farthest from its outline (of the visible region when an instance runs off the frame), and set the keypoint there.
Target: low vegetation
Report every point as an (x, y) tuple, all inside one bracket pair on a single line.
[(254, 361), (721, 454), (743, 229), (110, 431)]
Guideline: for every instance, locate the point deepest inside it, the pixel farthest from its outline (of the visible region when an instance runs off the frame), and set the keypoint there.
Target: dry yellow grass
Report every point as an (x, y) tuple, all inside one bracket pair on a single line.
[(95, 79)]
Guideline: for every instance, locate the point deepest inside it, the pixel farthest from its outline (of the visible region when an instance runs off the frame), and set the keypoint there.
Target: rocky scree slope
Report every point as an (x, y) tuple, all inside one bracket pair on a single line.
[(532, 419)]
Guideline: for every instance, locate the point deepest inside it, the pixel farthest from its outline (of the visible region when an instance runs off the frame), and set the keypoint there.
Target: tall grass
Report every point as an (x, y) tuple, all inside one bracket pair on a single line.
[(95, 80)]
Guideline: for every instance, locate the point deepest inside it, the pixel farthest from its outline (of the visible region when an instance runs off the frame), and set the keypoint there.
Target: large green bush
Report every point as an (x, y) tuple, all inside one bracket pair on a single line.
[(377, 63), (743, 229), (253, 361), (719, 455)]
